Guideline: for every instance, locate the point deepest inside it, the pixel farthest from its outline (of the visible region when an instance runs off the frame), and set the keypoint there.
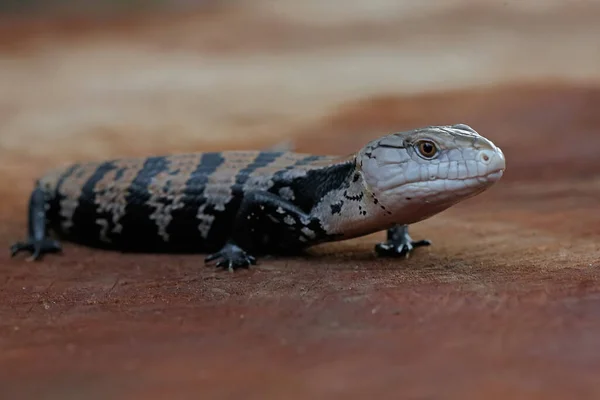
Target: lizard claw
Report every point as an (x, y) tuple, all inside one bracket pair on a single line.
[(231, 257)]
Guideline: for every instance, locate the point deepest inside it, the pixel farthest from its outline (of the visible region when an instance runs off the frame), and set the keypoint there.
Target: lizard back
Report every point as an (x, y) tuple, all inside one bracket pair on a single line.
[(183, 202)]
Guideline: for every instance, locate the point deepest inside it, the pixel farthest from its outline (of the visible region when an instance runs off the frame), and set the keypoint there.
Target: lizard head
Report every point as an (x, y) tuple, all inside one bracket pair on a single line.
[(419, 173)]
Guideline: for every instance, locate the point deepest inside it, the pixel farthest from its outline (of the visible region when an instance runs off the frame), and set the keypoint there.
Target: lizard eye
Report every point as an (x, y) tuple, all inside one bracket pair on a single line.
[(426, 148)]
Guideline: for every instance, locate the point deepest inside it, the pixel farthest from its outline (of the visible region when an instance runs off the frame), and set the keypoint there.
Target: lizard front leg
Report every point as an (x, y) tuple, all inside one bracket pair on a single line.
[(399, 243), (260, 219)]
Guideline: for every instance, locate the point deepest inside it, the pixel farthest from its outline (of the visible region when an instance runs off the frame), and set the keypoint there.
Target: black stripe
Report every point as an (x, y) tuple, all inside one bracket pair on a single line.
[(183, 229), (307, 160), (67, 173), (120, 173), (263, 159), (139, 231), (278, 176), (85, 227)]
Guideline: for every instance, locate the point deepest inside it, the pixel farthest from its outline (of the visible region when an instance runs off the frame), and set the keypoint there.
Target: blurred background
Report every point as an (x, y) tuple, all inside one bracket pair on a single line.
[(87, 80)]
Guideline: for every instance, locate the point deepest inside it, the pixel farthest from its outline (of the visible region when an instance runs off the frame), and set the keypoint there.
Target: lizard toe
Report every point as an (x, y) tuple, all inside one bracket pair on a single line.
[(401, 249), (37, 248)]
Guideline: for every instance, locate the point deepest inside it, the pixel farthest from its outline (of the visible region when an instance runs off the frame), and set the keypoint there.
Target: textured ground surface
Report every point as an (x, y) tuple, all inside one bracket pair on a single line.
[(504, 305)]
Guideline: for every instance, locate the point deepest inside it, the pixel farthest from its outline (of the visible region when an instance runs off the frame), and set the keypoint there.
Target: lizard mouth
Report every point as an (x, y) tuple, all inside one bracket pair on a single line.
[(489, 178), (494, 176), (442, 191), (469, 181)]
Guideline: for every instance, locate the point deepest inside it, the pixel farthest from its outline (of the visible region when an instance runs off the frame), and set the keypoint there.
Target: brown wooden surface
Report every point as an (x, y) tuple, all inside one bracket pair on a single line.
[(504, 305)]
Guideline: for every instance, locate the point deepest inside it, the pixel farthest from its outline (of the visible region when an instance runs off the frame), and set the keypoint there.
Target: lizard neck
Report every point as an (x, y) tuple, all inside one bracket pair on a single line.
[(346, 207)]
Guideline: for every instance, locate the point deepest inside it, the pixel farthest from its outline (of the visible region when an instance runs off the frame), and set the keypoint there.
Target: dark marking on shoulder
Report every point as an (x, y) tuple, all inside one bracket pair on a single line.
[(357, 197), (336, 208), (361, 210), (310, 188)]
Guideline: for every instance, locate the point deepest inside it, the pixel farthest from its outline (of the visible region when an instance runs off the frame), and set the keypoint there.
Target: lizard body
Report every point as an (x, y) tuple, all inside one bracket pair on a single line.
[(235, 205)]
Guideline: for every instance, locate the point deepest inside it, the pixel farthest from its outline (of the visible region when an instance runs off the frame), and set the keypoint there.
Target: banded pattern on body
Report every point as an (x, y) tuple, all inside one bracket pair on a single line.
[(219, 187), (167, 190), (70, 190), (110, 195), (184, 202)]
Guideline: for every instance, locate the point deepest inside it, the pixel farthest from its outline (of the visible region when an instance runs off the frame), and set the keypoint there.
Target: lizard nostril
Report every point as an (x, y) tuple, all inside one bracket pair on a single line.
[(485, 157)]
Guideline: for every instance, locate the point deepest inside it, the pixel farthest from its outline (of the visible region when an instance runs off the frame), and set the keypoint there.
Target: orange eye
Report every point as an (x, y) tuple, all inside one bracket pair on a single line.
[(427, 148)]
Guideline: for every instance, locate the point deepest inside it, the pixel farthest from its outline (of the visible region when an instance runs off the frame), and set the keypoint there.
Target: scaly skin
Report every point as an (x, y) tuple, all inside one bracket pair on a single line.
[(236, 205)]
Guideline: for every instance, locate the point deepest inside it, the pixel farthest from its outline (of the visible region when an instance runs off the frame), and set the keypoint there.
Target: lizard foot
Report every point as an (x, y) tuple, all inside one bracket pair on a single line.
[(401, 248), (231, 257), (37, 248)]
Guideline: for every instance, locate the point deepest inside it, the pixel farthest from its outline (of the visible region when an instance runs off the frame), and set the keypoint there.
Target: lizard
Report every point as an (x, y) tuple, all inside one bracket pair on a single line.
[(234, 206)]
